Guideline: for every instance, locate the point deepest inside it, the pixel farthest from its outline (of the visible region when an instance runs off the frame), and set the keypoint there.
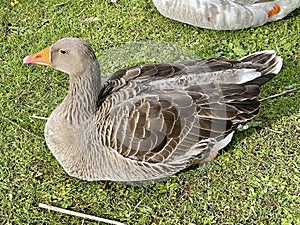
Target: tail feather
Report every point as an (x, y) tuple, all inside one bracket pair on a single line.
[(270, 65)]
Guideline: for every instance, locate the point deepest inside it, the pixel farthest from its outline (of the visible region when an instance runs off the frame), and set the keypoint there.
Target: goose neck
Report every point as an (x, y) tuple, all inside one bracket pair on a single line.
[(81, 101)]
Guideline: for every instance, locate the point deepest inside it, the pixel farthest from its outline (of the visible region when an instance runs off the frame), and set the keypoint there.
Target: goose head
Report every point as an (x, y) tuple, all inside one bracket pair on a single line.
[(70, 55)]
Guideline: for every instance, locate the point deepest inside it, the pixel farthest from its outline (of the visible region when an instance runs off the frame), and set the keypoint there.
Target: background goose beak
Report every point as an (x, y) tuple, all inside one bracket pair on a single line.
[(41, 58)]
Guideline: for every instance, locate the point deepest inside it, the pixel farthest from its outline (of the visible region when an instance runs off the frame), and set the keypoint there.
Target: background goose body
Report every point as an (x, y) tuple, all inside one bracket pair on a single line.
[(226, 14), (150, 121)]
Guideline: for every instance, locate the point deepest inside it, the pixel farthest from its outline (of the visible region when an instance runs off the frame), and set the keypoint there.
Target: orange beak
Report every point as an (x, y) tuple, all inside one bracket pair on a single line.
[(41, 58)]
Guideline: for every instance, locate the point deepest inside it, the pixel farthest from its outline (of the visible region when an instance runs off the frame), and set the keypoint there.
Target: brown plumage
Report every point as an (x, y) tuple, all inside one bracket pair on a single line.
[(150, 121)]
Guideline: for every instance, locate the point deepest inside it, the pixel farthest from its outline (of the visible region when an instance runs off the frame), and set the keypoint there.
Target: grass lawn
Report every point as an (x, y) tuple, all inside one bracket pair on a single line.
[(256, 180)]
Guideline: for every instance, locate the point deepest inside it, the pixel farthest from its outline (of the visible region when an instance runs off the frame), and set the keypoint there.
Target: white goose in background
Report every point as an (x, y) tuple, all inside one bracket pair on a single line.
[(150, 121), (226, 14)]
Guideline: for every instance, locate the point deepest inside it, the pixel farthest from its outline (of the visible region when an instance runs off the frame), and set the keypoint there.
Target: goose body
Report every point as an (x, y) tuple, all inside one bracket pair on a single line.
[(226, 14), (150, 121)]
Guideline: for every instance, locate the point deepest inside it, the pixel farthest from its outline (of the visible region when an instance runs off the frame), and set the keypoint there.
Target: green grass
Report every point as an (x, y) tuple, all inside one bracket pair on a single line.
[(254, 181)]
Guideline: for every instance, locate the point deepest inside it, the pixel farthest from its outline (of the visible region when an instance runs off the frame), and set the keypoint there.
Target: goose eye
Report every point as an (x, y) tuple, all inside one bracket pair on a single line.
[(61, 51)]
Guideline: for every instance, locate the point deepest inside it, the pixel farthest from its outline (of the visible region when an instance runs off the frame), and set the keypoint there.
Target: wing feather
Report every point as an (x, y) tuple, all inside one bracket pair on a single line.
[(159, 113)]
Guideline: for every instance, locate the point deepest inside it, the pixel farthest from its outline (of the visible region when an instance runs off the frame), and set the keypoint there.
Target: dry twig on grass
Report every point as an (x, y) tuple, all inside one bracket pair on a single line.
[(39, 117), (82, 215), (20, 127), (279, 94)]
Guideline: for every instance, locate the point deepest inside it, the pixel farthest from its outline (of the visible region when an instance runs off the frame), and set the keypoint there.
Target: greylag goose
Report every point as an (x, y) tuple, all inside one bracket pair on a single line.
[(150, 121), (226, 14)]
